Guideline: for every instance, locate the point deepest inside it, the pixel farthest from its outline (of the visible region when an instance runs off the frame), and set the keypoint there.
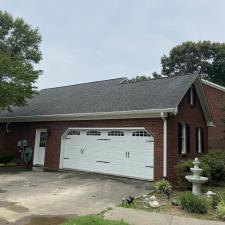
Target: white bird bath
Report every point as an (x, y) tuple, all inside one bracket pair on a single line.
[(196, 179)]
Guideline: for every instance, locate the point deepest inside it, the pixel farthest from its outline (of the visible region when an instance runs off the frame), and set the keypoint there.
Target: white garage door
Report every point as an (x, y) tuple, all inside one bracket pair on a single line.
[(127, 152)]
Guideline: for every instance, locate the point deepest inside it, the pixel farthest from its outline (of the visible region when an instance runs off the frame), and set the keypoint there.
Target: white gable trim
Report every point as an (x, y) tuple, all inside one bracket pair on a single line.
[(211, 84), (204, 102)]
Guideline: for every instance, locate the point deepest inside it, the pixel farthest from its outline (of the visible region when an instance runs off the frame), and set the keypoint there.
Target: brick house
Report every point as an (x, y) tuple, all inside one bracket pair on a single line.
[(216, 99), (132, 129)]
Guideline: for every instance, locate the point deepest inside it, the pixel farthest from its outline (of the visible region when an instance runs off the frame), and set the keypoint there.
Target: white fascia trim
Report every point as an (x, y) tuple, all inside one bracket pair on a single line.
[(211, 84), (151, 113), (204, 102)]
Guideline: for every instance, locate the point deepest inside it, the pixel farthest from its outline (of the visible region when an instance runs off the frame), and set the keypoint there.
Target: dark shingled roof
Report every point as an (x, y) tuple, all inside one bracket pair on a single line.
[(107, 96)]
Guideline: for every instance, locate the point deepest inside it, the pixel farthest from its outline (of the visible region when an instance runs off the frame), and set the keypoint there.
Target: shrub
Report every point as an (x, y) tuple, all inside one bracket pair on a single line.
[(6, 157), (163, 186), (215, 201), (183, 169), (221, 209), (215, 161), (192, 203)]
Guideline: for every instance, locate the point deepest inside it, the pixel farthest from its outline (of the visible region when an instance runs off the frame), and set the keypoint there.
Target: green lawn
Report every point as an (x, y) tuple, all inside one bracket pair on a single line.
[(93, 220)]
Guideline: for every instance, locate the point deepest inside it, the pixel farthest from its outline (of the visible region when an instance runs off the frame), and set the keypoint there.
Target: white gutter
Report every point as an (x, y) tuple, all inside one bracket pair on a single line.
[(151, 113), (164, 118)]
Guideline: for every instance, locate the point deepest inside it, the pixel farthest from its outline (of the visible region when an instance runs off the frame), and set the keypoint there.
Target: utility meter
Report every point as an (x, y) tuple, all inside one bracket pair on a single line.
[(24, 143), (20, 144)]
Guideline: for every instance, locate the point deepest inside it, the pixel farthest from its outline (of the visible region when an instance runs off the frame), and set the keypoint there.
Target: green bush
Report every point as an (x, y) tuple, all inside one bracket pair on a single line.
[(221, 209), (163, 187), (215, 201), (6, 157), (216, 163), (193, 204), (183, 169)]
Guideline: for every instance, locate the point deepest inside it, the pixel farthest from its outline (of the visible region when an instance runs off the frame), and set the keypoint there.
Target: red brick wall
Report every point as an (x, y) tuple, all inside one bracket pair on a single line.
[(27, 131), (216, 99), (193, 116), (2, 136)]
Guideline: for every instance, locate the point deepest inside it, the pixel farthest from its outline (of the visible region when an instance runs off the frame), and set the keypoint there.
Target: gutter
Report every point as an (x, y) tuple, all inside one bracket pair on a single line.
[(150, 113), (164, 118)]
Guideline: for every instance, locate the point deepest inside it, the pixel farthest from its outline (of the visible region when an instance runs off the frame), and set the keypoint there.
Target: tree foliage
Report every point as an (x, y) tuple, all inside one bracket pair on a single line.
[(204, 58), (19, 55)]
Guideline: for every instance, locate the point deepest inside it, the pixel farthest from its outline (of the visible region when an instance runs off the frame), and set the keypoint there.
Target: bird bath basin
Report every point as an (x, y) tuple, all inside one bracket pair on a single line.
[(196, 179)]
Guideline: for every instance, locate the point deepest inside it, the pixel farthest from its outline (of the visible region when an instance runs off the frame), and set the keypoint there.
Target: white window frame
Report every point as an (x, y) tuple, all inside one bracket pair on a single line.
[(184, 139), (199, 140), (191, 96)]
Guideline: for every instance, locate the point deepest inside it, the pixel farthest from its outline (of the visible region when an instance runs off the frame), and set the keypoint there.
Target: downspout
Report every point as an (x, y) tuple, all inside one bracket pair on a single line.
[(164, 118)]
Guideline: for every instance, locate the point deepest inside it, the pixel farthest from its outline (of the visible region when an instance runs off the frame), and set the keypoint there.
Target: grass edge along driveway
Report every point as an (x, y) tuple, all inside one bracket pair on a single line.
[(93, 220)]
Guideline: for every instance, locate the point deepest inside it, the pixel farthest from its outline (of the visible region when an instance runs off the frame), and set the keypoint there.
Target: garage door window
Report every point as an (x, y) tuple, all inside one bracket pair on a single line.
[(93, 133), (73, 132), (141, 134), (115, 133)]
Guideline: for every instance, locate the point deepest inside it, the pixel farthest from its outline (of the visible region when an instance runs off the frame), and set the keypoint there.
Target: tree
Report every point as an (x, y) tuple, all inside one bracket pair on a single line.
[(19, 55), (204, 58), (154, 75)]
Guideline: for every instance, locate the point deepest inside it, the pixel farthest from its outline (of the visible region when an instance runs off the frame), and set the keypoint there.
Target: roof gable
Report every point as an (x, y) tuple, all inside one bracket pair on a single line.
[(106, 97)]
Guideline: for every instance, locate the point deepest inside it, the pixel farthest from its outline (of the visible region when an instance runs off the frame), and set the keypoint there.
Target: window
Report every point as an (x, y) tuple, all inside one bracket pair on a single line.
[(73, 132), (199, 140), (43, 139), (115, 133), (191, 96), (93, 133), (183, 138), (141, 134)]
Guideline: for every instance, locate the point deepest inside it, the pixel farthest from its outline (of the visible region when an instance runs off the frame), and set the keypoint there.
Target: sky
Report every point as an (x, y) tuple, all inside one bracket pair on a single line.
[(91, 40)]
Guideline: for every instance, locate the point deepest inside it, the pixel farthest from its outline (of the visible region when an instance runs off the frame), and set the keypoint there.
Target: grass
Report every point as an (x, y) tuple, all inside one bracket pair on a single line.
[(168, 208), (93, 220)]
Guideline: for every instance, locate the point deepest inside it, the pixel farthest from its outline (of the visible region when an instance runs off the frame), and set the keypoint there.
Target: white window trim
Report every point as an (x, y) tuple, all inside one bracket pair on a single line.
[(184, 139), (191, 96), (199, 140)]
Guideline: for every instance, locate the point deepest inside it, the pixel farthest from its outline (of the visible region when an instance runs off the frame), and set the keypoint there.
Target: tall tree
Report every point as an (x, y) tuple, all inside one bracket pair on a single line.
[(19, 55), (204, 58)]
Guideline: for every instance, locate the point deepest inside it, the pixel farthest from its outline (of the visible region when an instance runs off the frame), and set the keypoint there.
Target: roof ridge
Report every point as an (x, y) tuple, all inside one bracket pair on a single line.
[(90, 82), (160, 78)]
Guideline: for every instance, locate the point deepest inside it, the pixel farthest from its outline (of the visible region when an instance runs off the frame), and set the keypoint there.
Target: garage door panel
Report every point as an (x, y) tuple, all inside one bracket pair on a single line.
[(117, 152)]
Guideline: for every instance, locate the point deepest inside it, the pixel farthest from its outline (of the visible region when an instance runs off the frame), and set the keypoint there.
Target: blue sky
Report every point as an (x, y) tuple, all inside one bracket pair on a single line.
[(89, 40)]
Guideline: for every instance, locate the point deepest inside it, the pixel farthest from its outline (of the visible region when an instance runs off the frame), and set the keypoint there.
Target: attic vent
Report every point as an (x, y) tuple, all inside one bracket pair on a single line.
[(124, 81)]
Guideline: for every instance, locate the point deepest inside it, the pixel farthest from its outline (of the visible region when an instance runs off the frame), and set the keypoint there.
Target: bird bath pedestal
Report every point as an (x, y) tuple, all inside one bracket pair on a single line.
[(196, 179)]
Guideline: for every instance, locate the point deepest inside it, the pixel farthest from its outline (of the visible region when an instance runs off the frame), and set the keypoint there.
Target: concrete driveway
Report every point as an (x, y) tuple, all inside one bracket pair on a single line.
[(29, 193)]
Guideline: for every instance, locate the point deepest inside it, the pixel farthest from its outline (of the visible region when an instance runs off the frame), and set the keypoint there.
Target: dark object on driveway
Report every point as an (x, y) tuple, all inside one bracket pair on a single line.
[(127, 200)]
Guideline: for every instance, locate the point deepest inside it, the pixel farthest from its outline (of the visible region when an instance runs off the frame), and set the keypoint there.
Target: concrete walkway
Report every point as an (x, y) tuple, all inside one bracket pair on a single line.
[(139, 217)]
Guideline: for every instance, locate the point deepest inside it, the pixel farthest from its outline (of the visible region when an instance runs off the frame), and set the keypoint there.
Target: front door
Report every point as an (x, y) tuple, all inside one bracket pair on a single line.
[(40, 145)]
